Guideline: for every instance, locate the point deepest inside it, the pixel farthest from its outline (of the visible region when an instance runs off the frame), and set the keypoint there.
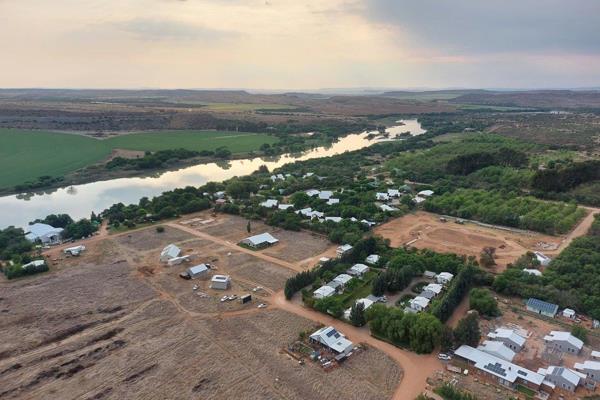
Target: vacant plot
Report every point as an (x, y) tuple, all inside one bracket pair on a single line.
[(424, 230), (148, 239), (28, 155), (105, 331)]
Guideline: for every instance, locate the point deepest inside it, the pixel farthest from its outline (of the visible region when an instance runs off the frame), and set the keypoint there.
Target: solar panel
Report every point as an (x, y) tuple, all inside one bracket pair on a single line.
[(522, 373), (496, 368)]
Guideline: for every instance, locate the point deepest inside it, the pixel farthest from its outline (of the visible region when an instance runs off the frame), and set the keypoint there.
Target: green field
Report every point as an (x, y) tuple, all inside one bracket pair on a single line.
[(27, 155)]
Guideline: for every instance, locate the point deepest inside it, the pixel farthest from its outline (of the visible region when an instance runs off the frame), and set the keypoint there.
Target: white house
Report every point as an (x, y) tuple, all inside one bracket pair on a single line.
[(220, 282), (368, 223), (434, 287), (569, 313), (561, 377), (563, 341), (329, 337), (365, 302), (45, 233), (425, 193), (590, 368), (198, 271), (169, 252), (393, 193), (343, 249), (419, 303), (532, 271), (497, 349), (334, 219), (325, 194), (386, 208), (260, 241), (270, 203), (444, 278), (343, 279), (509, 337), (312, 192), (382, 196), (358, 270), (372, 259), (285, 206), (332, 201), (542, 258), (323, 291)]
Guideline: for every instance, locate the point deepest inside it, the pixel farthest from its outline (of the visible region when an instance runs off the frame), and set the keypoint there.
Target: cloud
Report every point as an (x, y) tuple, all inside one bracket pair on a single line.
[(165, 29), (493, 26)]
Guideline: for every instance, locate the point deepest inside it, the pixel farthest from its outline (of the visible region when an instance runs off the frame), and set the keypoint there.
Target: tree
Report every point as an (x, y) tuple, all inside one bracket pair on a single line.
[(483, 301), (579, 332), (426, 333), (447, 339), (467, 331), (357, 314), (330, 305), (248, 227), (379, 285), (486, 259)]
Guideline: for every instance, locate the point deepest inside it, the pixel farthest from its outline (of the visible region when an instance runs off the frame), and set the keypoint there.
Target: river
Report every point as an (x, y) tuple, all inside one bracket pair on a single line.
[(80, 200)]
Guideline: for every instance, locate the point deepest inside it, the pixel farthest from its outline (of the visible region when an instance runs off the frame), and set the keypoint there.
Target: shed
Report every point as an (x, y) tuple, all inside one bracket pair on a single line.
[(569, 313), (542, 307), (169, 252), (542, 258), (372, 259), (198, 271), (44, 233), (220, 282), (260, 241)]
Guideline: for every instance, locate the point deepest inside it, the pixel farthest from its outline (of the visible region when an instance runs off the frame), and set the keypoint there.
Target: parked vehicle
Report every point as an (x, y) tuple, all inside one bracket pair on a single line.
[(444, 357)]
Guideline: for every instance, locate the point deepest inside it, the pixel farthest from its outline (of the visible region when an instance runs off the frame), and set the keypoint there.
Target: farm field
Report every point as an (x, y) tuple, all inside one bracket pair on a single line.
[(116, 324), (424, 230), (27, 155)]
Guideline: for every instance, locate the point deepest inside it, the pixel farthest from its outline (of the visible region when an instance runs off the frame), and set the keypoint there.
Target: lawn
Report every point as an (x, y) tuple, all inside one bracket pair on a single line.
[(237, 142), (27, 155)]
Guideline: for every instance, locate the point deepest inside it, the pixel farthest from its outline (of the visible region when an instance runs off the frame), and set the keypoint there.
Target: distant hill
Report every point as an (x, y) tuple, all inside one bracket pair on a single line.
[(546, 99)]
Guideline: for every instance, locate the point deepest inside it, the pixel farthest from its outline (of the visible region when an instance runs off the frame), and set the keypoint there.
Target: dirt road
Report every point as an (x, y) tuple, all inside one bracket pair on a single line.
[(416, 368), (578, 231)]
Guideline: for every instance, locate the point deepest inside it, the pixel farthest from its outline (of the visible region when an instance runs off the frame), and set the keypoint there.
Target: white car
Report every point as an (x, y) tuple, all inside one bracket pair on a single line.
[(444, 357), (223, 299), (262, 305)]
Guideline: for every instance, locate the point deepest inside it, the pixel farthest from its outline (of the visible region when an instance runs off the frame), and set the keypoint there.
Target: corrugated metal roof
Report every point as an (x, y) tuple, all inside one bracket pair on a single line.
[(541, 305)]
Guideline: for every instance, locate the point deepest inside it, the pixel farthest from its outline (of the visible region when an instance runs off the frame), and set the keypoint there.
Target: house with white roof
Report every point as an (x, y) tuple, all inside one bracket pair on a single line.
[(596, 355), (312, 192), (198, 271), (343, 279), (444, 278), (497, 349), (169, 252), (569, 313), (563, 341), (386, 208), (366, 303), (507, 373), (325, 194), (542, 258), (332, 201), (334, 219), (329, 337), (418, 199), (380, 196), (532, 271), (372, 259), (285, 206), (308, 175), (323, 291), (393, 192), (43, 233), (561, 377), (425, 193), (419, 303), (270, 203), (358, 270), (368, 223), (260, 241), (590, 368), (509, 337), (343, 249), (434, 287), (220, 282)]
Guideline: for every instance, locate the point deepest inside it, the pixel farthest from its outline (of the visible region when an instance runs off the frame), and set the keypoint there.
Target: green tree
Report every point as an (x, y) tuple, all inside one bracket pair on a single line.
[(248, 227), (483, 301), (579, 332), (426, 333), (357, 314), (467, 331)]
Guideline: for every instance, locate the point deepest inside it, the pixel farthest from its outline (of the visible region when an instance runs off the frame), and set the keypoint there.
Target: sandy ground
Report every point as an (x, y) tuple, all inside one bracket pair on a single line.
[(429, 232), (115, 324)]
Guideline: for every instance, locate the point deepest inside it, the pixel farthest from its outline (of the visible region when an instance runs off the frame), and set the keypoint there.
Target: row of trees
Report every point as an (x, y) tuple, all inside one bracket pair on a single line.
[(443, 307), (466, 164), (566, 177), (158, 159), (508, 209)]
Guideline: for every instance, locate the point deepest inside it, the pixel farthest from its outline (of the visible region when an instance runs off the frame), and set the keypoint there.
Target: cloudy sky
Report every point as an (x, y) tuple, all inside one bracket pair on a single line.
[(299, 44)]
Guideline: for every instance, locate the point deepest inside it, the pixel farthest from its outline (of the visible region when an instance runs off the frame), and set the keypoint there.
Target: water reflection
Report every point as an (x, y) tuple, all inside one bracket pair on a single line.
[(79, 200)]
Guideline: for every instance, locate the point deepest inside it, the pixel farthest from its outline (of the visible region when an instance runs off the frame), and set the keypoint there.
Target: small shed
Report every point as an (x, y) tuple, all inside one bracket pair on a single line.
[(569, 313), (198, 271), (220, 282), (247, 298), (260, 241), (171, 251)]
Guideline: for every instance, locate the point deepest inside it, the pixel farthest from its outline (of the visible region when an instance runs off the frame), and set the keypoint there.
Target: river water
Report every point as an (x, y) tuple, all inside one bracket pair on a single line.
[(80, 200)]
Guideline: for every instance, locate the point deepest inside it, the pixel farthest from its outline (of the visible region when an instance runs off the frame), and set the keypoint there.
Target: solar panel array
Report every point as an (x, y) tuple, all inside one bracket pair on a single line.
[(496, 368)]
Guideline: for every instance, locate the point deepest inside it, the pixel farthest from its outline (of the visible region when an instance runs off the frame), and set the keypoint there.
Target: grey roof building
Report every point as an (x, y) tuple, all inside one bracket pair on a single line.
[(262, 240), (561, 377), (542, 307), (563, 341), (590, 368)]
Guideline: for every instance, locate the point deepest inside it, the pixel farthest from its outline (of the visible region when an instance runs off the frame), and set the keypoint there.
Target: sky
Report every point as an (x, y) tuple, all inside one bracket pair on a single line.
[(299, 44)]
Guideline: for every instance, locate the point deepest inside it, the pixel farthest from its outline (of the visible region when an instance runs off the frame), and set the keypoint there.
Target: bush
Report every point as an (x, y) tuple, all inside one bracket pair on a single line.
[(483, 301), (160, 229)]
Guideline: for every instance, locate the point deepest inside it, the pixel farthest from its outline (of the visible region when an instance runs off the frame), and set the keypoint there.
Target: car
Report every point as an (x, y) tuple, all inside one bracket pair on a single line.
[(262, 305), (444, 357), (224, 298)]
